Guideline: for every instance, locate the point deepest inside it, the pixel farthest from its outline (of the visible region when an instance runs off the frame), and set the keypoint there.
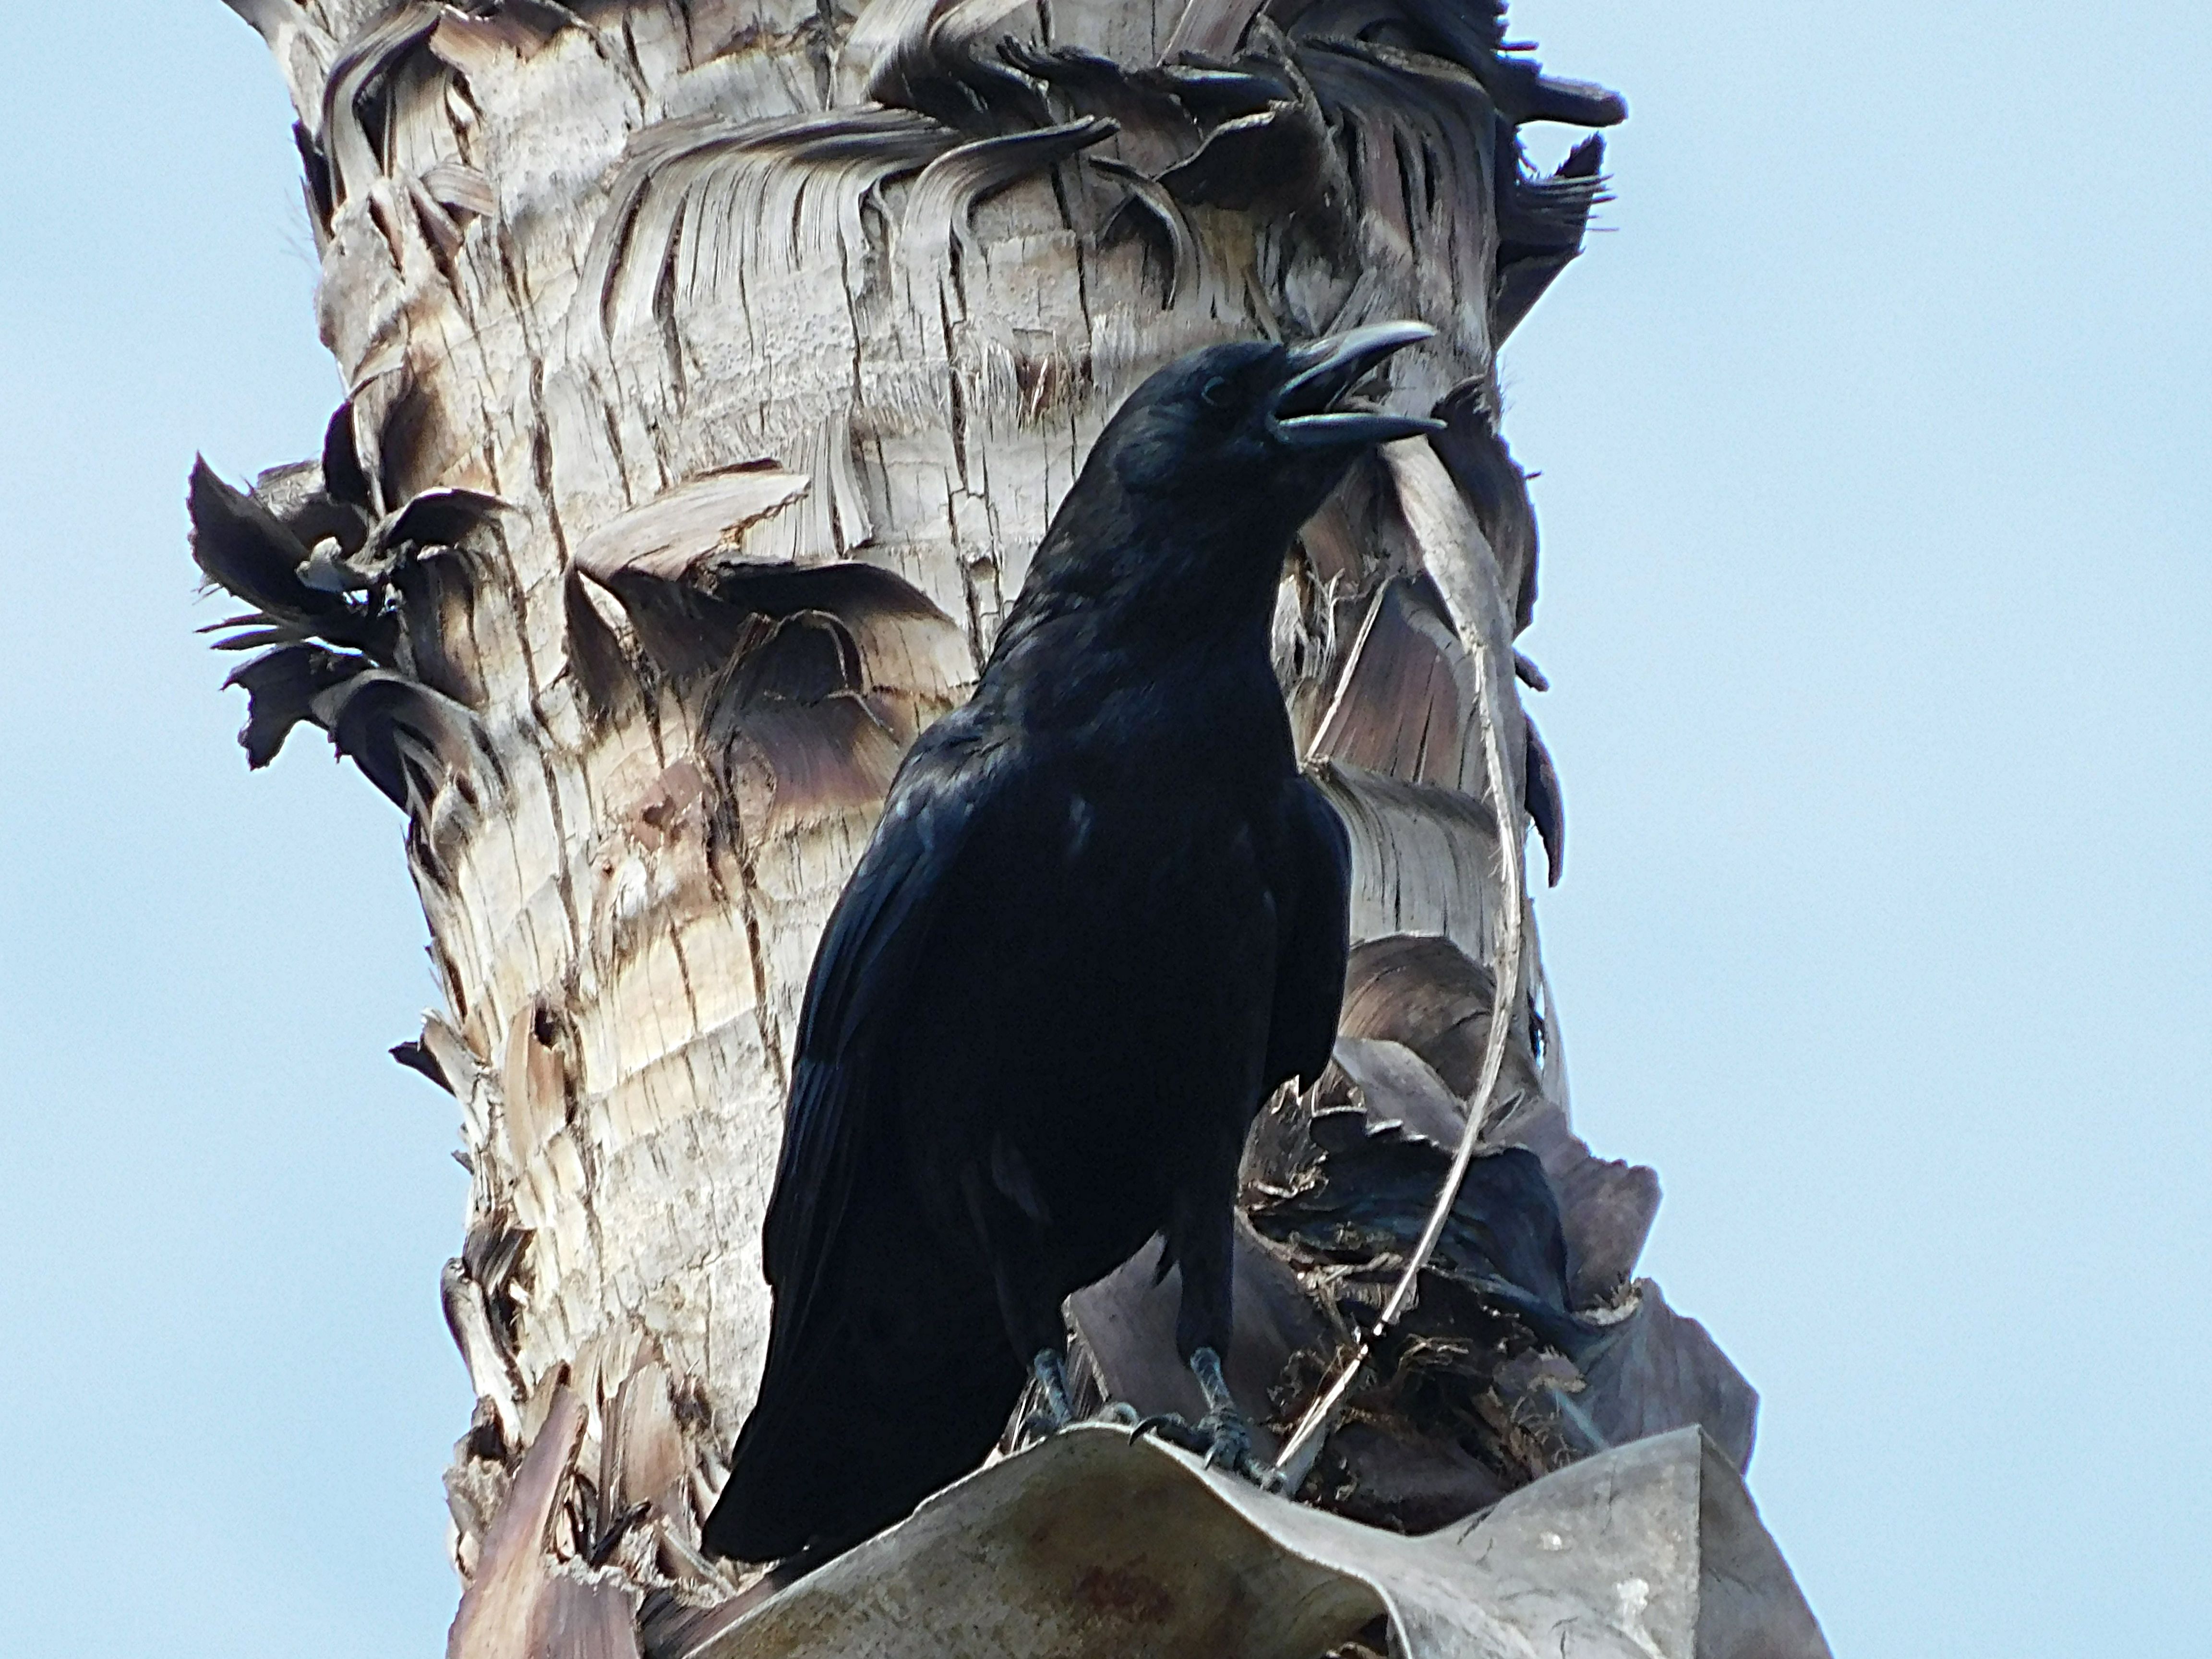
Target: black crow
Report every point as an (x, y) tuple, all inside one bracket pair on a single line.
[(1102, 917)]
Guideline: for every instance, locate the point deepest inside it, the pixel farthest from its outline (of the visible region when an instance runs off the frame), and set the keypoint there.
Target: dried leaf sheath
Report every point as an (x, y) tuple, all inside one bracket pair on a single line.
[(712, 371)]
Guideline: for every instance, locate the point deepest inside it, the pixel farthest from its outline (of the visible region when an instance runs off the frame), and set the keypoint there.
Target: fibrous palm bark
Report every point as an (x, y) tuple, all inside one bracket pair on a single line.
[(713, 369)]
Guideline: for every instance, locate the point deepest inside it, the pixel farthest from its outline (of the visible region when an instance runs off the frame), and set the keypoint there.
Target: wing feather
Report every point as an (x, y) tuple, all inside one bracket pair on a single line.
[(1309, 972), (854, 992)]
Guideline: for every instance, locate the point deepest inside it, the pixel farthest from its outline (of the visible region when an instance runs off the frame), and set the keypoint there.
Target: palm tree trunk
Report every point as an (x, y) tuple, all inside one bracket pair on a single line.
[(713, 370)]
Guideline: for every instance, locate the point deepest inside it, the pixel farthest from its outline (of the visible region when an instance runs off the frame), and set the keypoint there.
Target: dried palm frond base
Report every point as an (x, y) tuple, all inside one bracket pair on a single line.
[(1089, 1546)]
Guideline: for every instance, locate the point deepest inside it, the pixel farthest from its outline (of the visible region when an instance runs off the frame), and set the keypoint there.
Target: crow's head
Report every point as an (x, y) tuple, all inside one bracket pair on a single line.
[(1179, 519), (1262, 430)]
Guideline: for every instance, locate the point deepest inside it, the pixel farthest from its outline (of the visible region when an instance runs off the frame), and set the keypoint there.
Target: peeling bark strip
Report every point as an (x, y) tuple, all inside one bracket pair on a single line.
[(713, 369)]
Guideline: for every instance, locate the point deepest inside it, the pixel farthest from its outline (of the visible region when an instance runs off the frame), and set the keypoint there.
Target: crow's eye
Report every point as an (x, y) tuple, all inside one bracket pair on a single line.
[(1216, 394)]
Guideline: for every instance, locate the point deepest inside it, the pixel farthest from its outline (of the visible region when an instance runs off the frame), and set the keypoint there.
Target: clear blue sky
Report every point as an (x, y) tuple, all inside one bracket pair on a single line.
[(1875, 496)]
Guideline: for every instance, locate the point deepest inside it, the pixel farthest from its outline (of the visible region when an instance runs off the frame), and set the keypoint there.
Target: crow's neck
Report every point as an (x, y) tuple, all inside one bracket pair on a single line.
[(1148, 606), (1082, 651), (1154, 576)]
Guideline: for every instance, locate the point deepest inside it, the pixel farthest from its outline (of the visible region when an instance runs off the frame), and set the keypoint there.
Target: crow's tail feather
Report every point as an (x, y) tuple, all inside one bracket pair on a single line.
[(870, 1417)]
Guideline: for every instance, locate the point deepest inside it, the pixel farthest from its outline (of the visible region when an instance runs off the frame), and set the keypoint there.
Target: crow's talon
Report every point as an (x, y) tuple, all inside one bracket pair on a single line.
[(1119, 1411), (1224, 1442), (1038, 1425), (1228, 1441), (1167, 1426), (1229, 1446)]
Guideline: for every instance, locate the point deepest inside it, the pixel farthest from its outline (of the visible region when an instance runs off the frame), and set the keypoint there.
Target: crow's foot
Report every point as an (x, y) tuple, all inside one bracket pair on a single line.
[(1055, 1409), (1222, 1437), (1052, 1413)]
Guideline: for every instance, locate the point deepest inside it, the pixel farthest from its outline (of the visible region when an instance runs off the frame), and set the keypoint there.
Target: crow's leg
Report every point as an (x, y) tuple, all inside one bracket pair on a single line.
[(1010, 1236), (1204, 1238), (1023, 1303), (1049, 1373)]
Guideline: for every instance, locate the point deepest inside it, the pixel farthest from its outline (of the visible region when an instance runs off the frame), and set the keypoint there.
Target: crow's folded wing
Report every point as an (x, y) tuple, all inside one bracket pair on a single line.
[(862, 969), (1313, 893)]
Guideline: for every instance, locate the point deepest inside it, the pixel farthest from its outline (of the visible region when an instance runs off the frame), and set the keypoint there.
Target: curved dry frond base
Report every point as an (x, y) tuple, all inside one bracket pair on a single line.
[(1089, 1546)]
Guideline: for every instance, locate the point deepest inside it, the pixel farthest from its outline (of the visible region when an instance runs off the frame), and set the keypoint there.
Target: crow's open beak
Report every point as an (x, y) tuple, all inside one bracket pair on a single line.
[(1310, 411)]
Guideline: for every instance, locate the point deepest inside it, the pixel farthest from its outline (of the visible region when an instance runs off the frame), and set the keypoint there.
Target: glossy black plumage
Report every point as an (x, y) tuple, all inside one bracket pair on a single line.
[(1102, 917)]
